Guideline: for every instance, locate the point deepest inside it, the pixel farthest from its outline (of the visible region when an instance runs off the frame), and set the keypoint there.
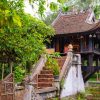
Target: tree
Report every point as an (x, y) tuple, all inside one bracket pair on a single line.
[(22, 37), (65, 5), (43, 4), (50, 18), (86, 4), (97, 11), (40, 4)]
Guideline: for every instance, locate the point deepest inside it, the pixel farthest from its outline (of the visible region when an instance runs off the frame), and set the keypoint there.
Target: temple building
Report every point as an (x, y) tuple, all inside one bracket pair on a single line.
[(82, 30)]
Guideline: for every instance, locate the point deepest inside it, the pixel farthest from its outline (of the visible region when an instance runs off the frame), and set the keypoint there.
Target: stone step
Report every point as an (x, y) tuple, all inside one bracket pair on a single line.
[(46, 72), (47, 89), (44, 84), (47, 92), (45, 79), (61, 62), (44, 68), (45, 76)]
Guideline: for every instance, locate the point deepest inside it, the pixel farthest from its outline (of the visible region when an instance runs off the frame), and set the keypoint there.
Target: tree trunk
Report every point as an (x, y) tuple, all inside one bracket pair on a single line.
[(11, 67), (2, 71)]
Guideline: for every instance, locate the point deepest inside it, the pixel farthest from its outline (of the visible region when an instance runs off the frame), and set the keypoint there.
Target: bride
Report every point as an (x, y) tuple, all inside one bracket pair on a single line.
[(73, 82)]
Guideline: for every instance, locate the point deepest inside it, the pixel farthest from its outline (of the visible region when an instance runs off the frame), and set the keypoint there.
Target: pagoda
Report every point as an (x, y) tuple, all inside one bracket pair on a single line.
[(82, 30)]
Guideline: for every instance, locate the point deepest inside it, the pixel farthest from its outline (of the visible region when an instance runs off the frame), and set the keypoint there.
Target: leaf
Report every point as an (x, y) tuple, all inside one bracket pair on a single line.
[(16, 20), (30, 1), (65, 8), (7, 11), (62, 1), (53, 6)]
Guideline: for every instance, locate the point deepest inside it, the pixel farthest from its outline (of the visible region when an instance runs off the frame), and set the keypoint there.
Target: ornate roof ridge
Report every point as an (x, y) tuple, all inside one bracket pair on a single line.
[(75, 23)]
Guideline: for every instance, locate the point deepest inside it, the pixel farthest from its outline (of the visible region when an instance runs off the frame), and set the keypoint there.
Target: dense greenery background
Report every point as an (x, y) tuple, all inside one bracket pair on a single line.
[(22, 37)]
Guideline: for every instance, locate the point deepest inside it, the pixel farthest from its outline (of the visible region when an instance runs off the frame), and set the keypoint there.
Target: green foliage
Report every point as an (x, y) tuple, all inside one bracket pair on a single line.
[(97, 11), (55, 54), (50, 18), (40, 5), (86, 4), (19, 73), (53, 64), (41, 8), (80, 96), (53, 6), (8, 12), (76, 4), (85, 63), (22, 36), (62, 1), (65, 8), (60, 5)]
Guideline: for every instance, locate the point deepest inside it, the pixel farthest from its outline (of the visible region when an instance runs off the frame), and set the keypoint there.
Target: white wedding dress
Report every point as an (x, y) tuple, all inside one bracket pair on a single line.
[(73, 81)]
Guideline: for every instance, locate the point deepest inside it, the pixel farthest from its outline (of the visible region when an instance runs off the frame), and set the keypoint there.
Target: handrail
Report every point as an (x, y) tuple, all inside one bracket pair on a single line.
[(37, 68), (7, 76), (66, 65)]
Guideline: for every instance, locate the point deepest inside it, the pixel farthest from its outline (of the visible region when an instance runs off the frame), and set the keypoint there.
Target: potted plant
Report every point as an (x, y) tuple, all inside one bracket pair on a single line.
[(53, 65), (56, 69)]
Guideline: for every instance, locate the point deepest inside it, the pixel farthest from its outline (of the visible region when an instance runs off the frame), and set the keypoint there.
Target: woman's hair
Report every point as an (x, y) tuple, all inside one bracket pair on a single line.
[(66, 44)]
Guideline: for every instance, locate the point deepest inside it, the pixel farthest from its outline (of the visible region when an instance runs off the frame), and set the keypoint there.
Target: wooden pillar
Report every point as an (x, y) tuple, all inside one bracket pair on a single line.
[(11, 67), (81, 44), (90, 43), (62, 45), (3, 71), (90, 59), (57, 44), (97, 65), (82, 60), (97, 61)]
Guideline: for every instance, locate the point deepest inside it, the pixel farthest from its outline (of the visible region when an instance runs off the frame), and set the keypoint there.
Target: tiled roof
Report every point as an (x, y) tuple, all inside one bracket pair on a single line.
[(75, 23)]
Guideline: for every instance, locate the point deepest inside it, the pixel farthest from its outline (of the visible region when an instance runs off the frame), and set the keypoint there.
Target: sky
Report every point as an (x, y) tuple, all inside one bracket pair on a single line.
[(28, 8)]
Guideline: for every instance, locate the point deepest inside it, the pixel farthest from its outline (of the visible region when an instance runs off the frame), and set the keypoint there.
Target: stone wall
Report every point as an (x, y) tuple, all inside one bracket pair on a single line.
[(19, 94)]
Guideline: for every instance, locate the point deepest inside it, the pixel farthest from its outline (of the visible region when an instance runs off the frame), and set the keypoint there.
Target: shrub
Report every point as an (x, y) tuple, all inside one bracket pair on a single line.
[(52, 64), (19, 73)]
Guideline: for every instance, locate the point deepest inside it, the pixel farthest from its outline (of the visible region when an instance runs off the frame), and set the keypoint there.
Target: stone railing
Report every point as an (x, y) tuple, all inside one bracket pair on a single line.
[(71, 59), (36, 70), (31, 82), (66, 65)]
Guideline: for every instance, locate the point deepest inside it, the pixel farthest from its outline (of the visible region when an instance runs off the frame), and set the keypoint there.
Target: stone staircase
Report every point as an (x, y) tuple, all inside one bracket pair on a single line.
[(45, 78), (45, 87), (44, 84), (61, 61)]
